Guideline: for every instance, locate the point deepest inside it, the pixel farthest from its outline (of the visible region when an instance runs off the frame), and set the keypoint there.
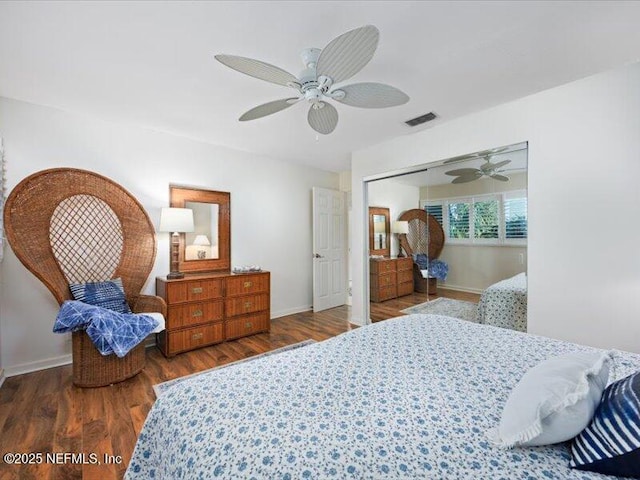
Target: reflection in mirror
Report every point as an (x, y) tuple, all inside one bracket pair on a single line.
[(203, 243), (478, 203), (208, 247), (379, 232), (379, 228)]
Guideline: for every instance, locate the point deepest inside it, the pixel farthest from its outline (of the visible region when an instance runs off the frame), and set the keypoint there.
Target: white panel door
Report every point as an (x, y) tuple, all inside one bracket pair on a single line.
[(329, 249)]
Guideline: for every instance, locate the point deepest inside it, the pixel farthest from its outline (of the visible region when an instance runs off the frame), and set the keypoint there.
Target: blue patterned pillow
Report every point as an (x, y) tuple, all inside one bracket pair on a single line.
[(611, 443), (109, 294)]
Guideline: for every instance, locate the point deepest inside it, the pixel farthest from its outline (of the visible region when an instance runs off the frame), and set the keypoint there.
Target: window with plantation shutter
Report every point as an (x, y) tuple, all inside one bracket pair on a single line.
[(515, 217), (435, 211), (489, 219), (486, 221), (459, 219)]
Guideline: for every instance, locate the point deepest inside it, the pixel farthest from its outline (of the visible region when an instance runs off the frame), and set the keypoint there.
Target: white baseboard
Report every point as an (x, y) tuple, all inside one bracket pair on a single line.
[(459, 288), (39, 365), (2, 377), (290, 311)]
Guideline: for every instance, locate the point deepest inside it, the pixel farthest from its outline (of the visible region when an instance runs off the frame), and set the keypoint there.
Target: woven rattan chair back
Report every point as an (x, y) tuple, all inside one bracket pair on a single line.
[(425, 234), (68, 226), (73, 226)]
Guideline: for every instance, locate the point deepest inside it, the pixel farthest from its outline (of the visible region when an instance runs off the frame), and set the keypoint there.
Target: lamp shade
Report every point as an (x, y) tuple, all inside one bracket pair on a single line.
[(400, 227), (201, 240), (176, 220)]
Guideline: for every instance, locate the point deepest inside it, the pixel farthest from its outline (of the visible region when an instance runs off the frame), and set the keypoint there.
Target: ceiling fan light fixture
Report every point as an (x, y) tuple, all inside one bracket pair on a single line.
[(487, 169), (341, 59)]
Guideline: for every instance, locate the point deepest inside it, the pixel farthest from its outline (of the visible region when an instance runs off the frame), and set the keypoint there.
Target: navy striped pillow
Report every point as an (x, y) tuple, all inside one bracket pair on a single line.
[(611, 443), (109, 294)]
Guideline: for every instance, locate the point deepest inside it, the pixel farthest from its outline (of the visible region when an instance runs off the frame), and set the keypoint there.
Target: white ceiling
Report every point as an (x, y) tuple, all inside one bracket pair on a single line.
[(151, 63)]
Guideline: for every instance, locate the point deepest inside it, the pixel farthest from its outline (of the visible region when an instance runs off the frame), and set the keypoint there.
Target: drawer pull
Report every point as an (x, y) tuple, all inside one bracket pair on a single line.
[(248, 325), (197, 336), (196, 290), (247, 304), (197, 313), (248, 284)]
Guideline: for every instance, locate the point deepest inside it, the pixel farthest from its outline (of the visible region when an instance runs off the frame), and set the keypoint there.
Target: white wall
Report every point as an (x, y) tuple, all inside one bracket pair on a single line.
[(473, 268), (397, 198), (584, 166), (270, 211)]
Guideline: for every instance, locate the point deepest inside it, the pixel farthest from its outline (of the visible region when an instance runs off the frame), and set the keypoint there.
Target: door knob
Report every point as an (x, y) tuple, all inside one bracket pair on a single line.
[(317, 255)]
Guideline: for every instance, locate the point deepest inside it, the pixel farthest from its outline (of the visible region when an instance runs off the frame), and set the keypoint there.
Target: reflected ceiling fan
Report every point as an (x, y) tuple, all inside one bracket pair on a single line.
[(340, 60), (487, 169)]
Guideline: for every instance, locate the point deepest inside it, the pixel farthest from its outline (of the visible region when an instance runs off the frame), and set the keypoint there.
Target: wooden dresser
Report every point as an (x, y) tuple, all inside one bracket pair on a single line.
[(390, 278), (208, 308)]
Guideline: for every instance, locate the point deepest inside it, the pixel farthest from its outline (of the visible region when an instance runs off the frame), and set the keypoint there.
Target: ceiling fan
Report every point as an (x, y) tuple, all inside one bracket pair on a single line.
[(487, 169), (341, 59)]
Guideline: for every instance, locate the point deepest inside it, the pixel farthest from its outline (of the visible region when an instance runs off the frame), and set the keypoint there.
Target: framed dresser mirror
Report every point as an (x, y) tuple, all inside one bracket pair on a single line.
[(379, 231), (208, 247)]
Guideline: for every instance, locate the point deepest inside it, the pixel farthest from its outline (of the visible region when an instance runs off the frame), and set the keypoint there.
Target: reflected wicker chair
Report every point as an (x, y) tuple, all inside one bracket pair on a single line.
[(73, 226), (425, 236)]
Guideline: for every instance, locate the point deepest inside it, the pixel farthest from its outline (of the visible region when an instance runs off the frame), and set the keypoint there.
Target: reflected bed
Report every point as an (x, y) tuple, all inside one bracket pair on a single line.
[(504, 304)]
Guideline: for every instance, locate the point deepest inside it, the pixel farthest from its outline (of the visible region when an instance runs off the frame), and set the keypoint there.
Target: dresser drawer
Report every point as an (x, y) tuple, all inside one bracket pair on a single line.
[(243, 284), (386, 280), (194, 290), (188, 314), (246, 325), (405, 276), (382, 266), (405, 288), (404, 263), (385, 293), (194, 337), (247, 304)]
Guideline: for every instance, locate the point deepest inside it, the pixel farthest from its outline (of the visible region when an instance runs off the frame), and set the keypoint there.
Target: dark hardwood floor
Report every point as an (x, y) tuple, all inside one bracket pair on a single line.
[(42, 412)]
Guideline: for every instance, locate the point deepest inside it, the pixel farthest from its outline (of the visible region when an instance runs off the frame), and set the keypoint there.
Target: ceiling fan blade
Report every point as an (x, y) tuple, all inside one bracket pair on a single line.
[(501, 164), (461, 158), (372, 95), (463, 171), (467, 178), (347, 54), (483, 153), (502, 178), (258, 69), (267, 109), (323, 120)]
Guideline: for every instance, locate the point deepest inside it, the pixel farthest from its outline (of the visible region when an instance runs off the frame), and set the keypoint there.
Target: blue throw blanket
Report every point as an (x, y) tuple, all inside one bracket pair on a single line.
[(110, 331)]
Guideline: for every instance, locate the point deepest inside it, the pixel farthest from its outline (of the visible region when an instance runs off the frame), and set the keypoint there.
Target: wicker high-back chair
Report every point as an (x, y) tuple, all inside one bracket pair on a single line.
[(425, 236), (73, 226)]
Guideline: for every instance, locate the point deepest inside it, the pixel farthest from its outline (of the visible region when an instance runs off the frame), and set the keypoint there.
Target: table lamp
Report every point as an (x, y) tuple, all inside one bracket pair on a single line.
[(201, 241), (176, 221), (400, 227)]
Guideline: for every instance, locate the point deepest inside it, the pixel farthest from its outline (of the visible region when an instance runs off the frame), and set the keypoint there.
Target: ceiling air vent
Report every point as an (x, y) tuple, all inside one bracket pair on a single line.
[(427, 117)]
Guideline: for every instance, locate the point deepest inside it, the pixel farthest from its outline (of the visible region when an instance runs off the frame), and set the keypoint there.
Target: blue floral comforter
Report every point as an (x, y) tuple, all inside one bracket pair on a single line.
[(411, 397), (110, 331)]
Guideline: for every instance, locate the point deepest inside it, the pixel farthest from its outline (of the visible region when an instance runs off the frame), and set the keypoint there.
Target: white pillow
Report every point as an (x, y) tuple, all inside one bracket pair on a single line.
[(554, 401)]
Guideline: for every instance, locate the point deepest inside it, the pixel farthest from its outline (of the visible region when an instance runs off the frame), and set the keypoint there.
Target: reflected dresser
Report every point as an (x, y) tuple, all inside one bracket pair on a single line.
[(390, 278)]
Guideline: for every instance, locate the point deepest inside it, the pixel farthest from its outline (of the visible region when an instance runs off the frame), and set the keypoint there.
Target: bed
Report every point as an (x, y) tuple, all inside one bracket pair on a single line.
[(411, 397), (504, 304)]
